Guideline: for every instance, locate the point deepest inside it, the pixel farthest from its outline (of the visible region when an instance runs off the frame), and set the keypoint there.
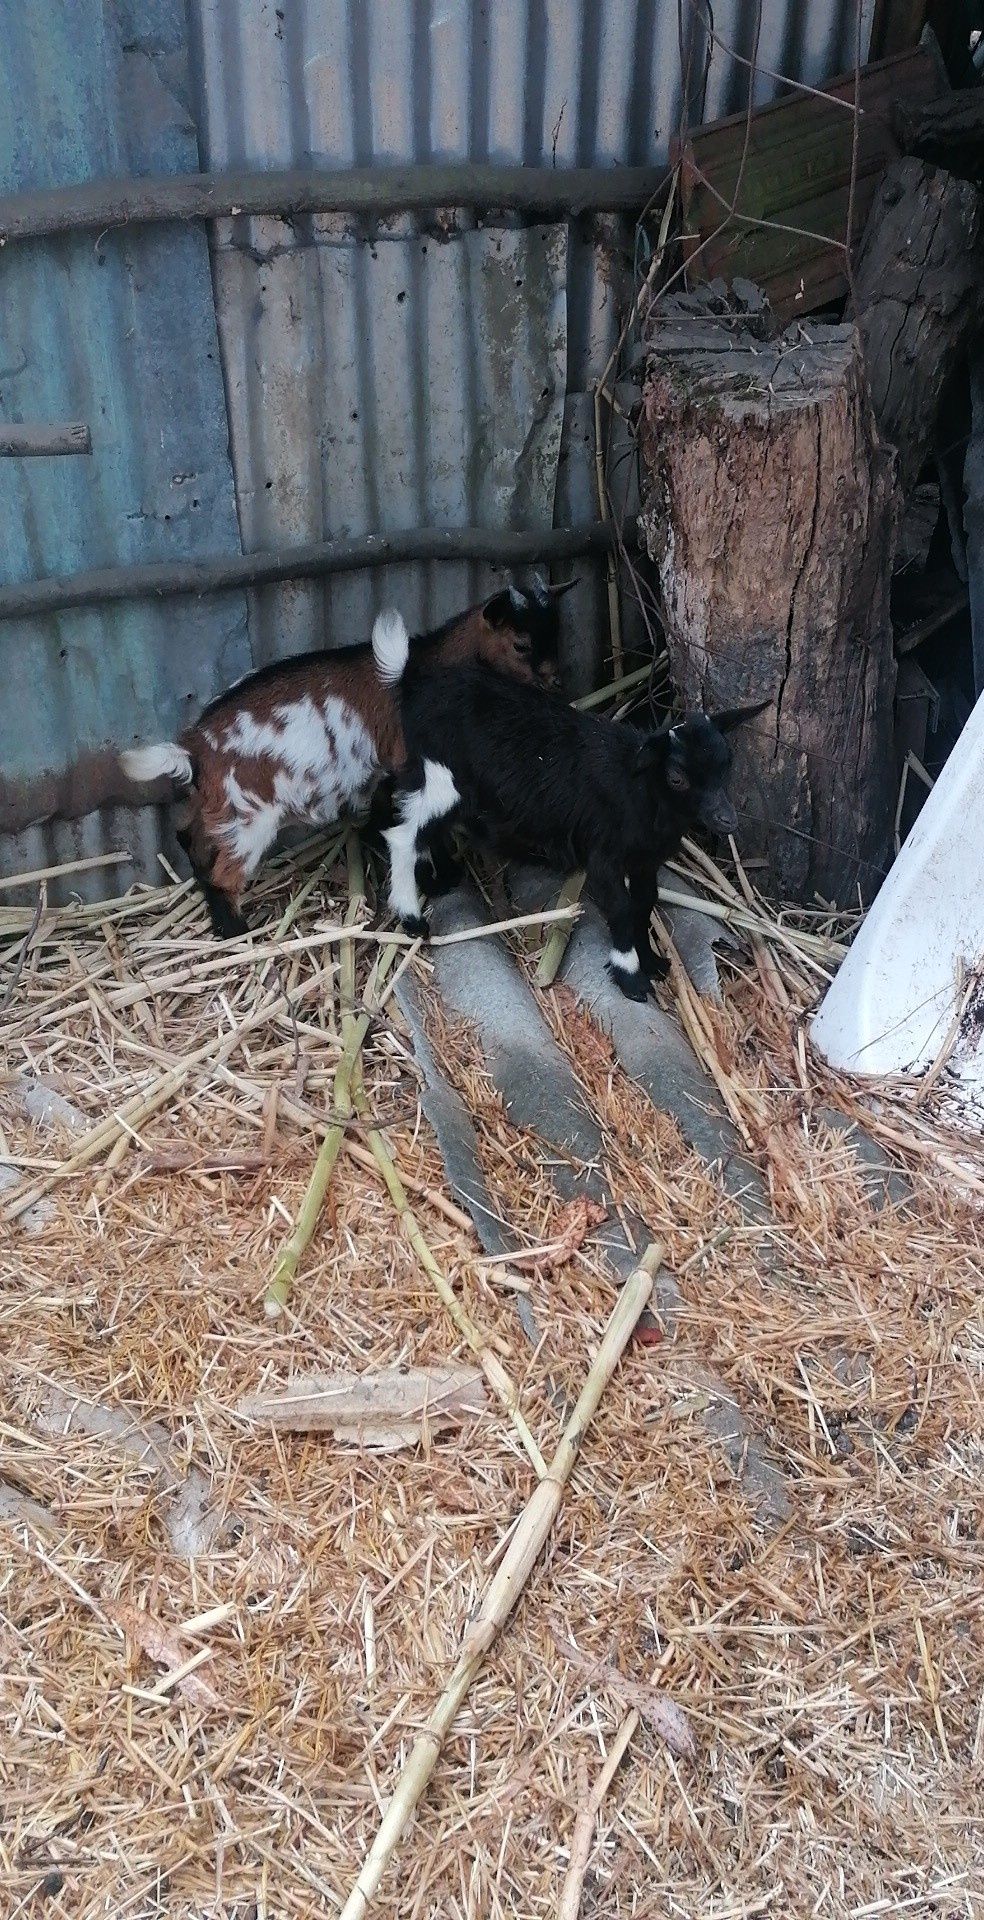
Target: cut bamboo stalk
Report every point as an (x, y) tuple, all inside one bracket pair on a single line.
[(353, 1034), (612, 689), (553, 953), (513, 1572), (67, 866)]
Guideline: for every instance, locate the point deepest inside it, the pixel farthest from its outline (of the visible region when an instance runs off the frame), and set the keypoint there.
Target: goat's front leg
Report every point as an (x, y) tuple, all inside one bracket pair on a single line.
[(644, 894), (438, 868), (608, 887), (425, 794)]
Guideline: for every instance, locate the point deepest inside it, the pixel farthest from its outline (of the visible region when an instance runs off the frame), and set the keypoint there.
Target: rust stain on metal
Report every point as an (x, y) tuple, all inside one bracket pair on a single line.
[(93, 780)]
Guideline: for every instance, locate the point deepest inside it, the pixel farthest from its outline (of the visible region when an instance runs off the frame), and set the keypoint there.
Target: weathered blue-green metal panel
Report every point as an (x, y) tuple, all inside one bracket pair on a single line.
[(117, 330), (413, 379)]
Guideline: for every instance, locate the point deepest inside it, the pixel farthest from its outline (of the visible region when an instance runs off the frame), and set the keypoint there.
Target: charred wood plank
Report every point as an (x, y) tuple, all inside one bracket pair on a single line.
[(919, 294), (945, 133)]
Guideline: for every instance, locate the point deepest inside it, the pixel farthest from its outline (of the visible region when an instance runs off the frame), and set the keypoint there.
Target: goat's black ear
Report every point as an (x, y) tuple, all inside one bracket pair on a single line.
[(733, 717), (502, 608), (653, 749)]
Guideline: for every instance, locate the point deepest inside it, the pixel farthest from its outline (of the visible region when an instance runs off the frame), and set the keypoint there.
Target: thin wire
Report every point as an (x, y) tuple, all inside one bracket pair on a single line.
[(770, 821), (771, 73), (749, 220)]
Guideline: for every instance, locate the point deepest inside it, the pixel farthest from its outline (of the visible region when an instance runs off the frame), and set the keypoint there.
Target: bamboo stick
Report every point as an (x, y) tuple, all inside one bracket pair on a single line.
[(67, 866), (513, 1572), (612, 689), (553, 953), (353, 1034)]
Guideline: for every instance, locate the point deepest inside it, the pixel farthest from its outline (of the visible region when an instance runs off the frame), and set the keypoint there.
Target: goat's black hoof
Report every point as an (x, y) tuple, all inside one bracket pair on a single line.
[(415, 925), (635, 986), (227, 924)]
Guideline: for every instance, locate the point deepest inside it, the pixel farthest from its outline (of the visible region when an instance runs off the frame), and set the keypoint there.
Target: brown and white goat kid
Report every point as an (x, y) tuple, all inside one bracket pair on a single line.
[(306, 740)]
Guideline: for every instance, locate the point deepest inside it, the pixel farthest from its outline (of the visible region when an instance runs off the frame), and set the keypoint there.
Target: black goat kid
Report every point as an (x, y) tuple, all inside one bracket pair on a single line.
[(533, 778)]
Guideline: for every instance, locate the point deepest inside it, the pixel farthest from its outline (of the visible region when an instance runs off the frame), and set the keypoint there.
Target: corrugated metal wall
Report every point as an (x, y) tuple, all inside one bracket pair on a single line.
[(270, 383)]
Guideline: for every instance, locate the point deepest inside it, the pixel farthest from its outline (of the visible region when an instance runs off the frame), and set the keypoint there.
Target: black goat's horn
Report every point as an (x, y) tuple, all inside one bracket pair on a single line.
[(731, 717)]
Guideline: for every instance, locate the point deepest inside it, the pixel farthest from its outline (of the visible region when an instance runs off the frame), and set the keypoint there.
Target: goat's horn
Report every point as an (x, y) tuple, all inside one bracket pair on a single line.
[(732, 717)]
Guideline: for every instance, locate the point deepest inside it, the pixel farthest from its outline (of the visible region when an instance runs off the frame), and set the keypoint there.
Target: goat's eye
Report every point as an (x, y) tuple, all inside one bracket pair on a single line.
[(524, 648), (676, 778)]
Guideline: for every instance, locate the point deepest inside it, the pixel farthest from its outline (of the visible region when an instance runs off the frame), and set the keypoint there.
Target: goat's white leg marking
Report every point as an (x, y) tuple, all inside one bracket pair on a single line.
[(627, 961), (437, 797), (254, 826), (403, 896)]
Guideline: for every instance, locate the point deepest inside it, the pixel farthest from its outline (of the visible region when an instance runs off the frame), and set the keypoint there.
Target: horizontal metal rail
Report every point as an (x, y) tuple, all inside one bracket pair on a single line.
[(223, 572), (374, 192), (23, 441)]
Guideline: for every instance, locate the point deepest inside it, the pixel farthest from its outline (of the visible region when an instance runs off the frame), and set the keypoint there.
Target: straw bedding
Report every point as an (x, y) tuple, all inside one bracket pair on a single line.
[(219, 1640)]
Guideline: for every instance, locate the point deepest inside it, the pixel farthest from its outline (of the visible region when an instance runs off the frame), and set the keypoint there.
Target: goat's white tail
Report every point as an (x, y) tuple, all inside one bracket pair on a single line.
[(167, 759), (390, 646)]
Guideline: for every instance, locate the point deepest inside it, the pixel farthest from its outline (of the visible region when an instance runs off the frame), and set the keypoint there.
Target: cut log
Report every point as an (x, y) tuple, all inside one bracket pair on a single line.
[(770, 511), (919, 298)]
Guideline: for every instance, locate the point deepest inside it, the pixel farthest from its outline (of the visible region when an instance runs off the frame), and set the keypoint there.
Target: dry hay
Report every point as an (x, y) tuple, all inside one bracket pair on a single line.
[(219, 1640)]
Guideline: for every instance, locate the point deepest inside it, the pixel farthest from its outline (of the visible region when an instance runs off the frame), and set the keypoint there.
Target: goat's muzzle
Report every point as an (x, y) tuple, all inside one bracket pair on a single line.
[(717, 813)]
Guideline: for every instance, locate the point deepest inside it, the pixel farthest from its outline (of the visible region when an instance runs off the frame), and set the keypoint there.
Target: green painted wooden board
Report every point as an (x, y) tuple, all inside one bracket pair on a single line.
[(796, 173)]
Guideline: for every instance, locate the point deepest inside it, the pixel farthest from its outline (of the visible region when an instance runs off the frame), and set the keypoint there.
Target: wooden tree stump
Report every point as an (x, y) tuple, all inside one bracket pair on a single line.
[(770, 511), (919, 297)]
